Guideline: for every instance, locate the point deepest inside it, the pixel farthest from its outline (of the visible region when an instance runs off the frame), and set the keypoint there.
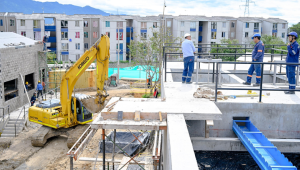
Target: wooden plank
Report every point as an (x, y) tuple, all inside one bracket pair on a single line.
[(160, 118), (123, 162), (137, 116), (108, 160), (112, 115)]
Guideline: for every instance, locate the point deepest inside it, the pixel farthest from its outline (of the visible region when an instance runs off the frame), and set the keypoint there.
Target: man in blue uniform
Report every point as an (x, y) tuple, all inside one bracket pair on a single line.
[(188, 50), (292, 57), (33, 99), (39, 89), (257, 56)]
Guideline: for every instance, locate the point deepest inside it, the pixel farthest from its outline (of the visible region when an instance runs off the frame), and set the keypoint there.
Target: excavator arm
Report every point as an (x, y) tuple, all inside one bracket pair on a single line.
[(100, 52)]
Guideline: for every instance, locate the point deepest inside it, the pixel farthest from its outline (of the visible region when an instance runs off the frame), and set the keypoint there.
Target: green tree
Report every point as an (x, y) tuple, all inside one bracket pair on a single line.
[(148, 52), (296, 28), (228, 46)]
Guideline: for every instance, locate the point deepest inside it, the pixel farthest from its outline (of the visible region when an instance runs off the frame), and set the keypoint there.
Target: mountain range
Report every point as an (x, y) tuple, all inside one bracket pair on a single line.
[(30, 6)]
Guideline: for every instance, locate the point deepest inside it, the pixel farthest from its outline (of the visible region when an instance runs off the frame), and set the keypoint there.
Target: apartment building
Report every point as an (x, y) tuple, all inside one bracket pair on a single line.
[(70, 35), (275, 27), (246, 28)]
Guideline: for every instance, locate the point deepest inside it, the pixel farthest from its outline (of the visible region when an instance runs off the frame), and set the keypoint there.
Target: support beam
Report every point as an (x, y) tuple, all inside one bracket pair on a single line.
[(207, 124), (181, 150)]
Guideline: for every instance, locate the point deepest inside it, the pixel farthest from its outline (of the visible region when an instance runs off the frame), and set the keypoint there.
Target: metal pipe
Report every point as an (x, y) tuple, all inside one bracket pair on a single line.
[(154, 144), (113, 154), (216, 86), (261, 82), (71, 163), (213, 75), (165, 67), (103, 141)]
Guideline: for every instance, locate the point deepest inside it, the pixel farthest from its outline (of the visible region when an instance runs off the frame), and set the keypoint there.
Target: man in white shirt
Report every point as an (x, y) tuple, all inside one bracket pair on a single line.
[(188, 50)]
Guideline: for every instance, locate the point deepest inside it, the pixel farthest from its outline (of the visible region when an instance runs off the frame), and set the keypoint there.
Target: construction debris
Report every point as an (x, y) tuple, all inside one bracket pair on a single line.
[(203, 92)]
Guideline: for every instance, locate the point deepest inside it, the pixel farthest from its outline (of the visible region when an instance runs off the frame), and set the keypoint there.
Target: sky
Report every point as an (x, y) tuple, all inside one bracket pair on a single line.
[(288, 10)]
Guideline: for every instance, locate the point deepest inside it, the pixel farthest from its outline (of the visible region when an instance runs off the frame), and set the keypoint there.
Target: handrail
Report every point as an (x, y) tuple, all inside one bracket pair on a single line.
[(18, 119), (262, 76), (3, 117)]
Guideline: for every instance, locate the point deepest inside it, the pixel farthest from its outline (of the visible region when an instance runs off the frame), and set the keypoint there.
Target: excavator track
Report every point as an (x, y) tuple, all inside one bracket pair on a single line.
[(40, 138)]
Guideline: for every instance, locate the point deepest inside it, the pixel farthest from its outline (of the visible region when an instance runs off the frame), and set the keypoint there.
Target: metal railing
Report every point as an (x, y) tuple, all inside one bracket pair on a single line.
[(220, 55), (20, 122), (261, 83), (2, 119)]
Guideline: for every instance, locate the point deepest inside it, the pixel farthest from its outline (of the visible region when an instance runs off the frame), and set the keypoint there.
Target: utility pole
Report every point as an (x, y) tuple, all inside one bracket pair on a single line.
[(247, 5), (118, 51)]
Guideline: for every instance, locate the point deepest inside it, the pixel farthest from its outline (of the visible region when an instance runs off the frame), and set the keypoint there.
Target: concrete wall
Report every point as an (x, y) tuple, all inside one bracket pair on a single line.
[(273, 120), (13, 62)]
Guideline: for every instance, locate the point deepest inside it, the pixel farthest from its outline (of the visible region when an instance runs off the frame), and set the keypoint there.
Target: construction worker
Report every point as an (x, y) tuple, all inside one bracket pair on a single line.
[(257, 56), (33, 99), (26, 85), (39, 89), (188, 50), (44, 44), (292, 57)]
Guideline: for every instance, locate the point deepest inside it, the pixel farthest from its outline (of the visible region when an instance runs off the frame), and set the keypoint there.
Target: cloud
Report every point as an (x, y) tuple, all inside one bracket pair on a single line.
[(263, 8)]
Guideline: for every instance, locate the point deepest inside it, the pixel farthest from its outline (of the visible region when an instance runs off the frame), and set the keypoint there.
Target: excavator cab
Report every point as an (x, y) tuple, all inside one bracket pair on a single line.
[(83, 114)]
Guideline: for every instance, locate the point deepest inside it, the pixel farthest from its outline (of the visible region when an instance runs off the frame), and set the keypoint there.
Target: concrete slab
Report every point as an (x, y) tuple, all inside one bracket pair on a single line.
[(181, 151), (234, 144)]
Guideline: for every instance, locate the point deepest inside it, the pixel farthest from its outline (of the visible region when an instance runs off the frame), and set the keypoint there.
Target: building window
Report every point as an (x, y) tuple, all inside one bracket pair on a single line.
[(213, 25), (283, 35), (65, 57), (64, 47), (193, 24), (108, 34), (77, 56), (85, 24), (76, 23), (181, 33), (223, 34), (37, 35), (64, 35), (120, 24), (246, 34), (182, 23), (143, 25), (95, 24), (107, 23), (64, 24), (86, 35), (95, 34), (154, 24), (1, 22), (247, 24), (169, 23), (77, 46), (224, 24), (232, 35), (36, 24), (86, 45), (22, 22), (30, 79), (23, 33), (274, 34), (10, 89), (143, 35), (77, 34), (213, 35), (12, 22), (121, 35), (283, 26), (275, 26), (256, 26), (232, 25)]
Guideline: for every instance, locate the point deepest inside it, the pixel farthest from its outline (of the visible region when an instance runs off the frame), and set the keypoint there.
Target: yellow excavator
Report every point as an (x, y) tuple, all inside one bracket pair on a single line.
[(69, 116)]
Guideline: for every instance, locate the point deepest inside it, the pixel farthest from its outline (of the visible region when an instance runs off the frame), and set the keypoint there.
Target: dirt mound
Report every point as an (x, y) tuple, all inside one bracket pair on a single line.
[(91, 106)]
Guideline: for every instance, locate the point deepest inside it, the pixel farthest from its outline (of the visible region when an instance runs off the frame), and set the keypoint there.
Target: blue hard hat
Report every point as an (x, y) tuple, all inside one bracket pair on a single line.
[(294, 34), (256, 35)]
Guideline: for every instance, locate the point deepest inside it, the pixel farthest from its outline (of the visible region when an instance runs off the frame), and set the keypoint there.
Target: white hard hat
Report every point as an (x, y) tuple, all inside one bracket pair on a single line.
[(187, 34)]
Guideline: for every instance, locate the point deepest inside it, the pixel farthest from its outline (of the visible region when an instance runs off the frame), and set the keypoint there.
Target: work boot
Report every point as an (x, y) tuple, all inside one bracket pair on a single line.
[(189, 82), (246, 83), (256, 84)]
